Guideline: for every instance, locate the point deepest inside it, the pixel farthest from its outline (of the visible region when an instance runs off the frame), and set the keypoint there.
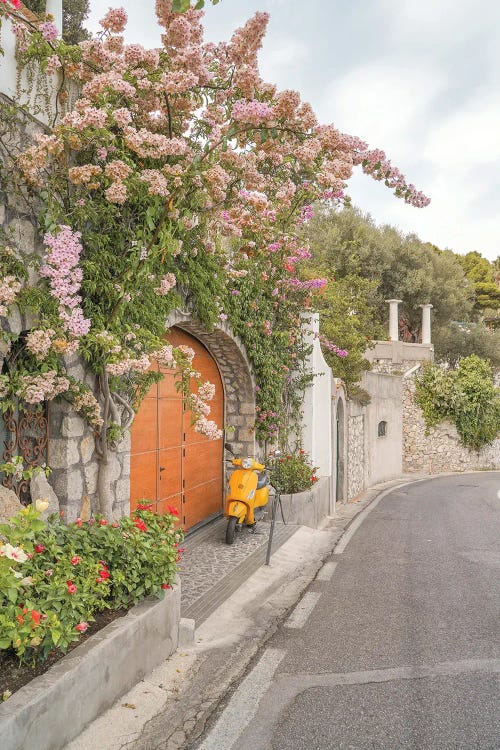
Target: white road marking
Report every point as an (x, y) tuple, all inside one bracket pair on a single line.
[(244, 704), (326, 572), (301, 613)]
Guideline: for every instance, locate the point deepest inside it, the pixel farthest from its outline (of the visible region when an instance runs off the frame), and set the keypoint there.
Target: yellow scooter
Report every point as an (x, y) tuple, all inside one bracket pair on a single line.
[(247, 490)]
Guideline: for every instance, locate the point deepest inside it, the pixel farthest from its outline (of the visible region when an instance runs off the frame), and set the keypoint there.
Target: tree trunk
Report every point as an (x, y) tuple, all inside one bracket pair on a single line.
[(106, 497)]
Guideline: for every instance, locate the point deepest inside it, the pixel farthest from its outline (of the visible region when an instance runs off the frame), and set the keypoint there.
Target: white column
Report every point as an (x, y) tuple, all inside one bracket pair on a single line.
[(426, 323), (393, 319), (54, 8)]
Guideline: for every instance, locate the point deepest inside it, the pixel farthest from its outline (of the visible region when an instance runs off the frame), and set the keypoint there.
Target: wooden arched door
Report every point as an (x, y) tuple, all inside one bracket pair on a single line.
[(171, 463)]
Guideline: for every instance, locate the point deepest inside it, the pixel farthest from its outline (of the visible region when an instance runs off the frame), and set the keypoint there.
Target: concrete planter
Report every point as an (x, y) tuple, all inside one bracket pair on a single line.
[(54, 708), (308, 508)]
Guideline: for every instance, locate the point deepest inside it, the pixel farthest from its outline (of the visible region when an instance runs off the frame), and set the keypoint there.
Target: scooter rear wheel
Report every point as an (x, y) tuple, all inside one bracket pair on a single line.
[(231, 528)]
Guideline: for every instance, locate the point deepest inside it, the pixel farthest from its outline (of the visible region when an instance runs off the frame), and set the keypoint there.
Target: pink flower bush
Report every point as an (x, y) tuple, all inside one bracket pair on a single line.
[(64, 274)]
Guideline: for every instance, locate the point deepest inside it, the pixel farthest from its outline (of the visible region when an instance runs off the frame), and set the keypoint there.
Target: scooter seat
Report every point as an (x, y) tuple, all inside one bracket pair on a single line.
[(262, 480)]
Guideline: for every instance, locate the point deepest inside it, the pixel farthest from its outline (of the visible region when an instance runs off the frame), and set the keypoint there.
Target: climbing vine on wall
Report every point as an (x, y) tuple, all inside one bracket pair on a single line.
[(178, 175)]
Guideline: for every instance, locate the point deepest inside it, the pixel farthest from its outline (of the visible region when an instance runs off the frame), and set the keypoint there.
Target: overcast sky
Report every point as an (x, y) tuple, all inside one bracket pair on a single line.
[(418, 78)]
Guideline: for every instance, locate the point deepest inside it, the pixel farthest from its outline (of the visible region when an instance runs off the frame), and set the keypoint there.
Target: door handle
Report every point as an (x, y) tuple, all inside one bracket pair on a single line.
[(162, 468)]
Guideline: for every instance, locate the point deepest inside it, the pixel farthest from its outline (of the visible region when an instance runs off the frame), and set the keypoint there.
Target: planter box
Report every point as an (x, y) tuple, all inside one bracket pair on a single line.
[(308, 508), (55, 707)]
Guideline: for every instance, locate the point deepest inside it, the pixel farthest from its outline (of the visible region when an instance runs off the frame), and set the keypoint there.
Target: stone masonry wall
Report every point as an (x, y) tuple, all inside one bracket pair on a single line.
[(440, 450), (71, 446), (355, 450)]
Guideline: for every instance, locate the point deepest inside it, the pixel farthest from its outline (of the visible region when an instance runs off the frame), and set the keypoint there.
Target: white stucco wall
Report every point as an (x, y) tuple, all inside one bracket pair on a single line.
[(383, 455), (30, 94), (317, 410)]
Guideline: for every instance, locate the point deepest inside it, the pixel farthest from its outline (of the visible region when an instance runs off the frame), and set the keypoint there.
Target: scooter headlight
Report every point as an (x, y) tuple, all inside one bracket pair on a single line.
[(247, 463)]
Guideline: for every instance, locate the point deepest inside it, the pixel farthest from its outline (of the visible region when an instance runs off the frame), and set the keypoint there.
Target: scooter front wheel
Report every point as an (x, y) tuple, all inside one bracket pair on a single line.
[(231, 528)]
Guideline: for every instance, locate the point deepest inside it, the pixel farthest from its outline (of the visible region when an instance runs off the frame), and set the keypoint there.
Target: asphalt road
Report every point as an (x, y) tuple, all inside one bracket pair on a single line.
[(398, 646)]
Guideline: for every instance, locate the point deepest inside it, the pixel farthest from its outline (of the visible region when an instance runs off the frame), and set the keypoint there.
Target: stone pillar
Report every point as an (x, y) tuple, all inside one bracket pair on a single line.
[(426, 323), (393, 319), (54, 8)]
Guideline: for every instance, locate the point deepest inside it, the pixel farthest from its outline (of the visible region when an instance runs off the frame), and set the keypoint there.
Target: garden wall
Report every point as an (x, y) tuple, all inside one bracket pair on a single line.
[(440, 450), (308, 508), (55, 707), (355, 449), (71, 447)]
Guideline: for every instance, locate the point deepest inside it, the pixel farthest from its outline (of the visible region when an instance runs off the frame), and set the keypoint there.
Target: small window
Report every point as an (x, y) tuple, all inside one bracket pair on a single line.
[(382, 429)]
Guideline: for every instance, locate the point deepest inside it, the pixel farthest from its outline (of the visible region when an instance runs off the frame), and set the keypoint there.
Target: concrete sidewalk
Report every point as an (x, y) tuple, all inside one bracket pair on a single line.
[(170, 707)]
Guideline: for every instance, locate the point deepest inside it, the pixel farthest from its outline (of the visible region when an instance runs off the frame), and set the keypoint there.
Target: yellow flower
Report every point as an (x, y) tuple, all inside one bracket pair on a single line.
[(41, 504), (59, 345)]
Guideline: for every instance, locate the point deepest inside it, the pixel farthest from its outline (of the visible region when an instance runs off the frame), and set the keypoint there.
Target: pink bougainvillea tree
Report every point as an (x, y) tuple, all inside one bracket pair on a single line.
[(178, 174)]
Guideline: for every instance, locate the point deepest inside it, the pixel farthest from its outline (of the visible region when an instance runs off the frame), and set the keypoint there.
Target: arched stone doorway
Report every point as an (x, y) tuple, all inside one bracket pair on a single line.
[(171, 464)]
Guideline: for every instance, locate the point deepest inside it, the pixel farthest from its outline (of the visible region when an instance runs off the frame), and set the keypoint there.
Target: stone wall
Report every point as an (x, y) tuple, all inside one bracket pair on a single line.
[(355, 450), (440, 450)]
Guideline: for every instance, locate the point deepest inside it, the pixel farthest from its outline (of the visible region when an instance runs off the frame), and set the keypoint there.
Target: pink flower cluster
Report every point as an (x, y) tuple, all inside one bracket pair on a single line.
[(83, 175), (166, 284), (86, 403), (49, 31), (252, 112), (44, 387), (115, 20), (332, 347), (65, 276), (155, 145), (157, 182), (9, 289), (165, 356), (128, 364), (376, 164), (309, 284), (39, 342), (208, 428), (206, 391)]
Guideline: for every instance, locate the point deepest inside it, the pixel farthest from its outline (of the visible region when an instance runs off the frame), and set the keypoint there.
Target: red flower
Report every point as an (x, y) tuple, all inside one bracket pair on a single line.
[(115, 525), (166, 586), (35, 616), (173, 511), (104, 574), (103, 522), (149, 506), (314, 479), (79, 523), (71, 587), (180, 550), (20, 619), (81, 627), (75, 560), (302, 452), (140, 524), (39, 548)]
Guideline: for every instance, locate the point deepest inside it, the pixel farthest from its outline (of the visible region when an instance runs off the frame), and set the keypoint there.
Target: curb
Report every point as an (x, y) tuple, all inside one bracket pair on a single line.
[(54, 708)]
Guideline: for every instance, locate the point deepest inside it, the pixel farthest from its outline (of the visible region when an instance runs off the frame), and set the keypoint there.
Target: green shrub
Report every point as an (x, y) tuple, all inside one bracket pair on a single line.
[(54, 578), (466, 395), (293, 473)]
